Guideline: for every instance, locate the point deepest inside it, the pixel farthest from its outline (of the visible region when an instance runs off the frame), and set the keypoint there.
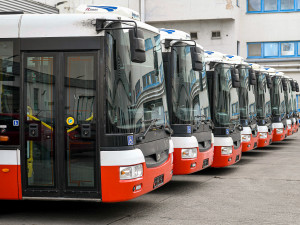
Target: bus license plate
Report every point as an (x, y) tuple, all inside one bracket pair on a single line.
[(158, 181)]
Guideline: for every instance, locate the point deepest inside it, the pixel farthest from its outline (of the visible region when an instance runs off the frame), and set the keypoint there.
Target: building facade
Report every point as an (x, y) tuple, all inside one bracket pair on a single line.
[(261, 31)]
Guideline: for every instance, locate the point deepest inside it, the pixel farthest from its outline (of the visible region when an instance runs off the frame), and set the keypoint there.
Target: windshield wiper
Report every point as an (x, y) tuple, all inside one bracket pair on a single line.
[(142, 136)]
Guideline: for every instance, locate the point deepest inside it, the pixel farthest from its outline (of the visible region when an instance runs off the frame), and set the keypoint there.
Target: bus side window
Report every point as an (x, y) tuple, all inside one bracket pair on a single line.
[(9, 95)]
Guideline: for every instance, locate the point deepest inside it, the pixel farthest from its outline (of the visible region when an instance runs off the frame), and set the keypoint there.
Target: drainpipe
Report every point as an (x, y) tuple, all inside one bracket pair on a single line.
[(142, 10)]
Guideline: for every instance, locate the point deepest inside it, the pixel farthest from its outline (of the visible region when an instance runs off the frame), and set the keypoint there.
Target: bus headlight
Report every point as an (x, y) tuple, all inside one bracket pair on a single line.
[(246, 137), (189, 153), (279, 130), (131, 172), (226, 150), (263, 135)]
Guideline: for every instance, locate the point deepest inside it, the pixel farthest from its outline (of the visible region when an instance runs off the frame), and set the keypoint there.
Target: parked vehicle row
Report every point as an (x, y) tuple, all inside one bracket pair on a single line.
[(98, 106)]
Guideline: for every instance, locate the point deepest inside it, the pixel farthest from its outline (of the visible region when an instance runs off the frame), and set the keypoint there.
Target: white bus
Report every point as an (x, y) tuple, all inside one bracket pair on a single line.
[(76, 121)]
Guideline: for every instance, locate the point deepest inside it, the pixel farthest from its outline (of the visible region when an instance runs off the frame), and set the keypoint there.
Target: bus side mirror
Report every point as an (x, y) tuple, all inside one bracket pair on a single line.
[(284, 84), (252, 77), (293, 85), (137, 46), (235, 78), (196, 54), (269, 81)]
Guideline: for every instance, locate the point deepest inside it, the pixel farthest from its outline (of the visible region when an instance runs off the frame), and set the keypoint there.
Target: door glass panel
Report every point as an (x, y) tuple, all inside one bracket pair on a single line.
[(80, 123), (40, 121)]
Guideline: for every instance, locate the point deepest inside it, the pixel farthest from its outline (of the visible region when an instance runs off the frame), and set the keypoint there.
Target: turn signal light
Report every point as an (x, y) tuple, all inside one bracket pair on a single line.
[(4, 138), (5, 170)]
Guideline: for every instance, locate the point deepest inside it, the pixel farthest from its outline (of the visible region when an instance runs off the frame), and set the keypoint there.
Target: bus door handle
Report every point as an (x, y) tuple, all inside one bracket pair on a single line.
[(86, 131), (33, 130)]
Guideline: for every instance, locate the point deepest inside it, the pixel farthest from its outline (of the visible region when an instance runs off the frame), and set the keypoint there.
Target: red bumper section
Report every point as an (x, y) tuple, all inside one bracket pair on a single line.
[(10, 182), (263, 142), (116, 190), (187, 166), (279, 137), (226, 160), (252, 144)]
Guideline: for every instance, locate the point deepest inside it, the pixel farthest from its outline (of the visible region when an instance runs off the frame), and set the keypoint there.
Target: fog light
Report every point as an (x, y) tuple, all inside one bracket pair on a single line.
[(279, 130), (189, 153), (263, 135), (131, 172), (246, 137), (226, 150), (193, 165), (248, 146), (137, 187)]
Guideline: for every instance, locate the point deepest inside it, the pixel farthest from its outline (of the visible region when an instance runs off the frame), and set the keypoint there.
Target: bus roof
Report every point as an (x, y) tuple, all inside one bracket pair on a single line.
[(57, 25), (100, 9)]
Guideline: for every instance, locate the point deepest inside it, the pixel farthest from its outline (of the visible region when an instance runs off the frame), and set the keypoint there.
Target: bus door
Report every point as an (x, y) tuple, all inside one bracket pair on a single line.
[(59, 136)]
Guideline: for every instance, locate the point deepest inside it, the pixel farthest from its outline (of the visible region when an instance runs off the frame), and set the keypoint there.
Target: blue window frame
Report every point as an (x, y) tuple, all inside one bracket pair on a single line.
[(255, 50), (282, 49), (287, 49), (271, 49), (254, 5), (272, 6)]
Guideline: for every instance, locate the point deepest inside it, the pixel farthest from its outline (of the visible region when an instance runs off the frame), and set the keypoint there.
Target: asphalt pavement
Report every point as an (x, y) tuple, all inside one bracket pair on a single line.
[(263, 188)]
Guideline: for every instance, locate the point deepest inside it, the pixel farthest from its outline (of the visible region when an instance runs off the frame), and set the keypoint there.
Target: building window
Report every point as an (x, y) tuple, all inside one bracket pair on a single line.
[(288, 48), (274, 49), (194, 35), (254, 5), (267, 6), (254, 50), (238, 48), (287, 4), (215, 34), (270, 5), (271, 49)]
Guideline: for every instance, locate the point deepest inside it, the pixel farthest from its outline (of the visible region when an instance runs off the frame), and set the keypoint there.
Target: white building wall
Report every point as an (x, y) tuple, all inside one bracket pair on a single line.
[(69, 6), (227, 43)]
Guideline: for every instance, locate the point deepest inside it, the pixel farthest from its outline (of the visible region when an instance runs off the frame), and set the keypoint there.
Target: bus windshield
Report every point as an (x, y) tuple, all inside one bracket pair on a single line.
[(277, 98), (294, 103), (263, 102), (187, 108), (135, 92), (288, 98), (246, 95), (226, 102)]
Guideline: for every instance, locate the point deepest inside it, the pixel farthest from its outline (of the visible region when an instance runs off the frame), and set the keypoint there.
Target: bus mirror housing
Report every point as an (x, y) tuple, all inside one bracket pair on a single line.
[(252, 77), (137, 46), (269, 81), (284, 84), (196, 54), (235, 78), (293, 84)]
